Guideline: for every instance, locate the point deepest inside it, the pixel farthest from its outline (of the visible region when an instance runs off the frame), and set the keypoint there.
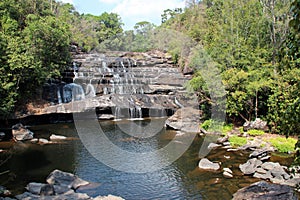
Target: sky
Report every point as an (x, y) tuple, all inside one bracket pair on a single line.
[(130, 11)]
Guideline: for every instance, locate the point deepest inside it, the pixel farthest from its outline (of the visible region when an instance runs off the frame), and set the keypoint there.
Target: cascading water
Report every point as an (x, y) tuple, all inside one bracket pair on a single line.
[(73, 92), (90, 91), (100, 75)]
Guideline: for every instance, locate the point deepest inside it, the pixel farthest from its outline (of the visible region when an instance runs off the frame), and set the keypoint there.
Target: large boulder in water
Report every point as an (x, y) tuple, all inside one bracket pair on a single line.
[(265, 191), (208, 165), (69, 180), (21, 133), (185, 119)]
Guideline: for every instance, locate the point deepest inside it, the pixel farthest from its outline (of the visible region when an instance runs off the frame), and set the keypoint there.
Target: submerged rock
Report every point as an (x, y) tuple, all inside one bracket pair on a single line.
[(21, 133), (208, 165), (265, 191), (57, 137)]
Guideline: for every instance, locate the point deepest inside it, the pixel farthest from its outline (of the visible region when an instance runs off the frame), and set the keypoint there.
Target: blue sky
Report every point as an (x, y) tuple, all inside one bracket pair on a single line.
[(131, 11)]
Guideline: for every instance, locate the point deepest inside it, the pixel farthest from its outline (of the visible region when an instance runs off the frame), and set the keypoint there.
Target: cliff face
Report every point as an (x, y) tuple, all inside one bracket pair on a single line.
[(120, 84)]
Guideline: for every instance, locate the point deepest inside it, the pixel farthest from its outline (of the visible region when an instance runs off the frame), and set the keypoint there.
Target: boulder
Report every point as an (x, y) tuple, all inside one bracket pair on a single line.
[(227, 173), (43, 141), (208, 165), (2, 136), (47, 190), (34, 188), (247, 147), (69, 180), (259, 153), (187, 70), (21, 133), (109, 197), (213, 146), (256, 124), (292, 182), (221, 140), (185, 119), (265, 191), (27, 196), (250, 166), (271, 166), (57, 137), (266, 175)]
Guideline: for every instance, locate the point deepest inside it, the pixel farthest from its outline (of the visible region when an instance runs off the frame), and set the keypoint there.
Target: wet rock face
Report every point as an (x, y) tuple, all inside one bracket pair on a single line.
[(265, 191), (119, 80), (21, 133), (185, 119)]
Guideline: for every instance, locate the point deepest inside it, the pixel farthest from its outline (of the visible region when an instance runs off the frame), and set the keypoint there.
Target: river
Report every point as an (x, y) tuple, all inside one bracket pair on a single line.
[(180, 180)]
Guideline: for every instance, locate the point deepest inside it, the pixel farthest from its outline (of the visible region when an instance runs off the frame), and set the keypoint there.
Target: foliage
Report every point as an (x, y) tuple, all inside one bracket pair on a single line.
[(206, 124), (283, 145), (34, 47), (227, 128), (237, 141), (254, 132)]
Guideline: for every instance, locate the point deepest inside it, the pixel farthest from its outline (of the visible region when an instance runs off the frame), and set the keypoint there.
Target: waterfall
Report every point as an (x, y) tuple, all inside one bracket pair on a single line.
[(90, 91), (136, 112), (117, 113), (59, 99), (178, 103), (73, 92)]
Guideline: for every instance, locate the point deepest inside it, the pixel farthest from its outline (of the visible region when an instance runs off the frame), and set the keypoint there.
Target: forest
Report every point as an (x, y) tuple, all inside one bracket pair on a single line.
[(254, 44)]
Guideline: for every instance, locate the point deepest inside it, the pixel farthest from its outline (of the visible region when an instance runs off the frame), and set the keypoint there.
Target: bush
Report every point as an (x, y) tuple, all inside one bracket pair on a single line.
[(237, 141), (283, 145), (227, 128), (206, 124), (254, 132)]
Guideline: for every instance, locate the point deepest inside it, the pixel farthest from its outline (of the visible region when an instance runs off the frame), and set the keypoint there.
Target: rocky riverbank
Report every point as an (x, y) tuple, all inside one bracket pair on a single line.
[(59, 186), (282, 180)]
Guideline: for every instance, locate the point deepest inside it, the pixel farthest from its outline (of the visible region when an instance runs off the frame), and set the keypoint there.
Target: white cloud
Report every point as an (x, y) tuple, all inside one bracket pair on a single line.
[(144, 10), (110, 1), (67, 1)]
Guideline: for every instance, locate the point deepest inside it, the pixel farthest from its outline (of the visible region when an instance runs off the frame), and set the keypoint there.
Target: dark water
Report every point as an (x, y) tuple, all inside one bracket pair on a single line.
[(180, 180)]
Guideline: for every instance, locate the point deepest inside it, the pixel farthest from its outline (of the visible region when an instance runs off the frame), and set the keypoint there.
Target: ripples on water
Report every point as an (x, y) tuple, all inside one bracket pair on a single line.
[(181, 180)]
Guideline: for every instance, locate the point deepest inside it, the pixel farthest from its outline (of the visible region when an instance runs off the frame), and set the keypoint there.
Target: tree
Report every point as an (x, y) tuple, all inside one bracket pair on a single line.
[(34, 46)]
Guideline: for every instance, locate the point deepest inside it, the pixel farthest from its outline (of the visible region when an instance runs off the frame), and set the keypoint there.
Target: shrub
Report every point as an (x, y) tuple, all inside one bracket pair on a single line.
[(283, 145), (206, 124), (227, 128), (237, 141), (254, 132)]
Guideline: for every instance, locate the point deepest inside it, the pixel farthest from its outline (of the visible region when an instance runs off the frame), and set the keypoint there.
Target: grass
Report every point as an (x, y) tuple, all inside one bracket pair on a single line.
[(211, 125), (227, 128), (237, 141), (283, 145), (254, 132)]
